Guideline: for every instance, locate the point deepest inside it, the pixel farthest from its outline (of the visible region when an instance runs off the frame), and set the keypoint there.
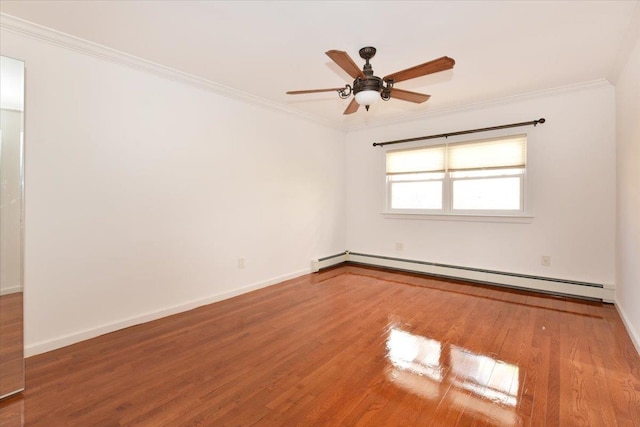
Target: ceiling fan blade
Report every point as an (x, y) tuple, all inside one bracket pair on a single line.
[(301, 92), (346, 63), (352, 107), (435, 66), (406, 95)]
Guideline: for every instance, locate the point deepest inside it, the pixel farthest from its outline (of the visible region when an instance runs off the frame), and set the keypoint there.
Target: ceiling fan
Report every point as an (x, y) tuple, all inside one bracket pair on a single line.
[(367, 88)]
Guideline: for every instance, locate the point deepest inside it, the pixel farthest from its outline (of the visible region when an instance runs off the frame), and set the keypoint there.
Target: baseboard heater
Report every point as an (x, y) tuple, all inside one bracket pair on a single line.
[(548, 285)]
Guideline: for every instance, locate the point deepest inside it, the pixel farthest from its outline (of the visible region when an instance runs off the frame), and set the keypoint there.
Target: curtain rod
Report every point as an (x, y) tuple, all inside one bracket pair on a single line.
[(462, 132)]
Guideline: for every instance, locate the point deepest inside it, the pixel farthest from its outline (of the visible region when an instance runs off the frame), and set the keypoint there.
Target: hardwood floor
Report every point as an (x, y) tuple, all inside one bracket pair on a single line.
[(11, 343), (350, 346)]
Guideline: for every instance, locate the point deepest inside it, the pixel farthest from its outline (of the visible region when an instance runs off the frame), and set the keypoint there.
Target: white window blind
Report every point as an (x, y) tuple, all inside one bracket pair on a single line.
[(509, 152), (430, 159)]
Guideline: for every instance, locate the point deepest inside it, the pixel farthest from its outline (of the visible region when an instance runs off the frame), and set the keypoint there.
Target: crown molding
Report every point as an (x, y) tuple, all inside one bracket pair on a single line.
[(35, 31), (482, 104)]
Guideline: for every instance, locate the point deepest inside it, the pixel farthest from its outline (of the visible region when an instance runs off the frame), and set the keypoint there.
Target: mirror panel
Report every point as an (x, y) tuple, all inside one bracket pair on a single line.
[(11, 225)]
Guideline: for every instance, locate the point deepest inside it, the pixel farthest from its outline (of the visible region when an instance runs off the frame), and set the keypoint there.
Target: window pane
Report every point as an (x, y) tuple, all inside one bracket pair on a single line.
[(487, 194), (416, 195)]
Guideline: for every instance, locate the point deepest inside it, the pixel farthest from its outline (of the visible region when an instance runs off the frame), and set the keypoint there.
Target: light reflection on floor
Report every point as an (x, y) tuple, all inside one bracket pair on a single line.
[(479, 383), (414, 353)]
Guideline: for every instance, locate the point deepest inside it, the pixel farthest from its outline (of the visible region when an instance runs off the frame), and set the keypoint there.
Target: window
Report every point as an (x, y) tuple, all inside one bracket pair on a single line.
[(475, 177)]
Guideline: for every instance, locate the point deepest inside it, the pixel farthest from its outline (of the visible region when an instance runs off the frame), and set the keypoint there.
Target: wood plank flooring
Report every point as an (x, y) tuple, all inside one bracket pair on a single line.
[(350, 346), (11, 343)]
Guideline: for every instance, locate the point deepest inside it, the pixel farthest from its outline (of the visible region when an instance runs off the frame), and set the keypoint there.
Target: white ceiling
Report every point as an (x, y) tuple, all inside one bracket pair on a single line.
[(501, 48)]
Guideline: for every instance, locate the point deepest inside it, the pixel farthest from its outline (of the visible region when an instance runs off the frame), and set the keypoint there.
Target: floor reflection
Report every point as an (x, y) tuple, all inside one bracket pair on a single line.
[(12, 411), (416, 354), (482, 375), (469, 381)]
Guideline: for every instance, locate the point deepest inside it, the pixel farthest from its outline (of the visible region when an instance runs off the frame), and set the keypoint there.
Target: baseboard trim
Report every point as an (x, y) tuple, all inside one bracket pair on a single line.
[(65, 340), (633, 334), (329, 261), (604, 292), (11, 290)]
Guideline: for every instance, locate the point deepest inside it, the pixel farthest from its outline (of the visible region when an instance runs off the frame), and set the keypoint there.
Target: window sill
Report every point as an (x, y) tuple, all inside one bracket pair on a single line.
[(517, 219)]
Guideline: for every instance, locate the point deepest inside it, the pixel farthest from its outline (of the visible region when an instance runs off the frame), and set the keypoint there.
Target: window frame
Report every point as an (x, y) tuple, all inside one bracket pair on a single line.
[(521, 177), (447, 211), (400, 210)]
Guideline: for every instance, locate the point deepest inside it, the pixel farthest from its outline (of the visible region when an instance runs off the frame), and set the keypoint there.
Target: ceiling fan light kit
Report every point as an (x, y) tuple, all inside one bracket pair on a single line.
[(367, 97), (368, 88)]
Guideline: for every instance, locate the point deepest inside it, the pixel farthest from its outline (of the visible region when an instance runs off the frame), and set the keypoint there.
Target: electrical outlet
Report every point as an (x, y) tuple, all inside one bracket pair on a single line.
[(240, 263), (545, 260), (399, 246)]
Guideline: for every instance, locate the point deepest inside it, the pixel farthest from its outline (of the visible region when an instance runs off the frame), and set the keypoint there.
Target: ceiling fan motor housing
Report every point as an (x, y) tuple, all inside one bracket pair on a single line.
[(371, 82)]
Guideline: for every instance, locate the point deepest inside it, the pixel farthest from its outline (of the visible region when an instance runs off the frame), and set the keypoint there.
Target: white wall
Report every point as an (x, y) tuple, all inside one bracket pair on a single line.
[(628, 195), (571, 188), (142, 193)]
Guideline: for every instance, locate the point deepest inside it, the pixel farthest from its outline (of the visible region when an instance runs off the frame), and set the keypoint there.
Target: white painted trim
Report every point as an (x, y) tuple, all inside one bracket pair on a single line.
[(549, 285), (317, 265), (65, 340), (609, 293), (11, 290), (20, 390), (67, 41), (633, 334), (519, 219)]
